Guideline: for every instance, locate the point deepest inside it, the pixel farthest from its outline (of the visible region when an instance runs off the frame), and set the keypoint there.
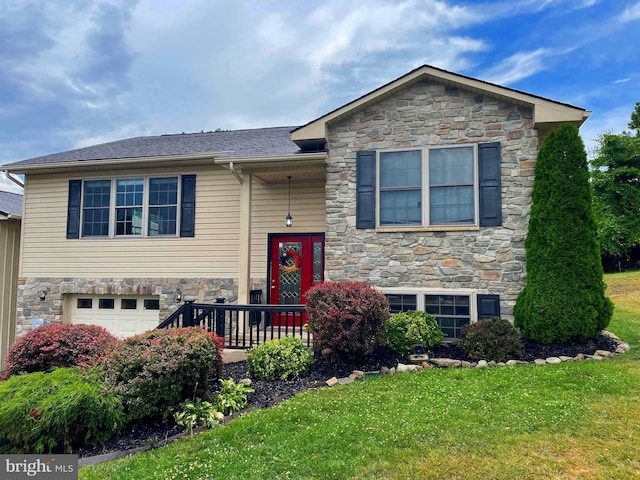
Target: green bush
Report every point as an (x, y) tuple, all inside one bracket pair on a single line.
[(232, 396), (406, 329), (346, 319), (56, 412), (57, 345), (192, 414), (564, 298), (284, 358), (492, 339), (154, 371)]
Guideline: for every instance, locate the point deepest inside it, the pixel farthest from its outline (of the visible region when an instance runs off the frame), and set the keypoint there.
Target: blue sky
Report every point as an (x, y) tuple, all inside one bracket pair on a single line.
[(80, 72)]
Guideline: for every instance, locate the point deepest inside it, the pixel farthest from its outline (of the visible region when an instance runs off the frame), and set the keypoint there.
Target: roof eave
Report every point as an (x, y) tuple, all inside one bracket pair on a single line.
[(107, 163), (545, 110), (275, 159)]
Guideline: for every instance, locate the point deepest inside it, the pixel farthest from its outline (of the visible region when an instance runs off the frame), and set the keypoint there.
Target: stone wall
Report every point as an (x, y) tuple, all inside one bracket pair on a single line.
[(51, 309), (489, 259)]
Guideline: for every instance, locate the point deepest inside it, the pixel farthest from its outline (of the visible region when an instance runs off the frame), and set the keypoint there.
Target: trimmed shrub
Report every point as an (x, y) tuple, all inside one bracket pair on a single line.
[(58, 345), (492, 339), (346, 318), (56, 412), (564, 297), (284, 358), (404, 330), (153, 372)]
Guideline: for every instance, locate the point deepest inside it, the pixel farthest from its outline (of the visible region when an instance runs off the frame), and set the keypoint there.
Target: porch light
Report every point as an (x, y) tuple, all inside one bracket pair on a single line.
[(178, 296), (288, 220), (42, 294)]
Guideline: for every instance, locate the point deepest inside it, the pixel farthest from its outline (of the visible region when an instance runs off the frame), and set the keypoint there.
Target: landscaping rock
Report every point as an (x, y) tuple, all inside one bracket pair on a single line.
[(540, 361), (245, 381), (357, 375), (401, 368), (482, 364), (554, 360), (332, 382), (446, 362), (345, 380), (603, 353), (564, 358), (384, 371)]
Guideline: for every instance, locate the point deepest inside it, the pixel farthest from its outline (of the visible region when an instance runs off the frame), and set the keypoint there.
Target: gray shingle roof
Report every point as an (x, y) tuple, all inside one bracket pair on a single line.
[(10, 203), (238, 143)]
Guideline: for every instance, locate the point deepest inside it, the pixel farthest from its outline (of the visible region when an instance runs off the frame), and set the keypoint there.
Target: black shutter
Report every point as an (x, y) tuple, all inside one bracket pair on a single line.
[(488, 306), (188, 206), (489, 174), (366, 189), (73, 208)]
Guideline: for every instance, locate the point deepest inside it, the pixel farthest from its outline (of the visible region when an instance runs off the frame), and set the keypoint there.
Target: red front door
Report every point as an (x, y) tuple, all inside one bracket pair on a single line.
[(296, 262)]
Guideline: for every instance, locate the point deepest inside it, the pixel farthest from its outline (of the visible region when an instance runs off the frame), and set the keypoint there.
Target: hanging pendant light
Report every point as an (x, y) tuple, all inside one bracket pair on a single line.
[(288, 220)]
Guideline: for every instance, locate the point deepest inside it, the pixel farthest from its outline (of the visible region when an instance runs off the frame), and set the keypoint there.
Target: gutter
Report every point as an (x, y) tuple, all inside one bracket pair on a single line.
[(108, 163), (13, 179)]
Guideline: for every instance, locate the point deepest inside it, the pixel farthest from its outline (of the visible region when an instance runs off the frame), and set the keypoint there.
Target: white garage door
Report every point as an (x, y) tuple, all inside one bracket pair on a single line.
[(123, 316)]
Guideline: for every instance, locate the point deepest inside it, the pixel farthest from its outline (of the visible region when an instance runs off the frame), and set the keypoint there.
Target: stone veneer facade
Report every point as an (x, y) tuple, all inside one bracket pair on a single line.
[(488, 260), (205, 290)]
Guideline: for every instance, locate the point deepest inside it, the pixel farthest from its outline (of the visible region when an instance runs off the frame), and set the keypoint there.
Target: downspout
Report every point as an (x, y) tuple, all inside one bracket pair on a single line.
[(13, 179)]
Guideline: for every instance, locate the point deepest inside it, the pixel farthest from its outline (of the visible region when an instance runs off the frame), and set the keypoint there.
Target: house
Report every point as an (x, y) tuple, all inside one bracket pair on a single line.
[(420, 188), (10, 216)]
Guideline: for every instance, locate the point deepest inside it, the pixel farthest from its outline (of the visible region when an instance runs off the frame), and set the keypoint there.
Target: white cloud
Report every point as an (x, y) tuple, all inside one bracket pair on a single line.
[(518, 66), (631, 13), (622, 80), (611, 121)]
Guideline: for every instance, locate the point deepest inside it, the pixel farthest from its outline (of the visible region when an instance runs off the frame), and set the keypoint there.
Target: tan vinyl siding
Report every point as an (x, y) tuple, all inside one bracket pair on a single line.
[(213, 252), (269, 208), (9, 259)]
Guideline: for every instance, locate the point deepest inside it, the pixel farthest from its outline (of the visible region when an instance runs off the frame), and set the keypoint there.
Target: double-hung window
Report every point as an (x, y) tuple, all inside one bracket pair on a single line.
[(132, 207), (429, 187)]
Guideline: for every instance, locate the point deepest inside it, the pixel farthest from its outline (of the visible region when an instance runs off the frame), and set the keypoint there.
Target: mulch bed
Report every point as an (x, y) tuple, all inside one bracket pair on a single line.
[(269, 393)]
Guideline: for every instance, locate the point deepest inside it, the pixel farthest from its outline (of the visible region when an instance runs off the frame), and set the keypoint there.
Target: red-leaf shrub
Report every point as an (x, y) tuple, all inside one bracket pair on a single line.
[(57, 345), (153, 372), (347, 318)]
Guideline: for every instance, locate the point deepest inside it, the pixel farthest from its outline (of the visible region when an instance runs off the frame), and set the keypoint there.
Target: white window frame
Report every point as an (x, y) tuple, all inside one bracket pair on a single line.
[(145, 206), (421, 292), (425, 187)]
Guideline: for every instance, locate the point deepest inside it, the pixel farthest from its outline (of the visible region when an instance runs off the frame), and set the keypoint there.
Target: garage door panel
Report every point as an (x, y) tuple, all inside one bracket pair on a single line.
[(123, 316)]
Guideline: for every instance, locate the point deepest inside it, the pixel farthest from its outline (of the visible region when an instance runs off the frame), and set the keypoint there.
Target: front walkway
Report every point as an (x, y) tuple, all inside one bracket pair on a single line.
[(232, 355)]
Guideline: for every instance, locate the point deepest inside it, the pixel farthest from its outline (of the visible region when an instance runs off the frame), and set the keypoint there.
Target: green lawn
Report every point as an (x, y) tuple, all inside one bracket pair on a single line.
[(577, 420)]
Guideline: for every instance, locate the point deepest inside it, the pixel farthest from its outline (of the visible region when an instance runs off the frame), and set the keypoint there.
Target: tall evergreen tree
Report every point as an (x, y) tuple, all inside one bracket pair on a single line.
[(564, 297)]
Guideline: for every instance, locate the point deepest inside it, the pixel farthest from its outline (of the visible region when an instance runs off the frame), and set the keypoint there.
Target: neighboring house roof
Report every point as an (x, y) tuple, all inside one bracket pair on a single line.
[(261, 142), (10, 204), (548, 114)]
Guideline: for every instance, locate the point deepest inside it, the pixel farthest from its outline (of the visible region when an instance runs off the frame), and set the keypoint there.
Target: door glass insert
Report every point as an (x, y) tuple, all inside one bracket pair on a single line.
[(289, 273), (317, 262)]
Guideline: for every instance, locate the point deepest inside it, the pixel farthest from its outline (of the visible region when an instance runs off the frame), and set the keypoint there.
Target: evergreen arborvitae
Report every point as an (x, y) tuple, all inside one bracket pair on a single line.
[(564, 297)]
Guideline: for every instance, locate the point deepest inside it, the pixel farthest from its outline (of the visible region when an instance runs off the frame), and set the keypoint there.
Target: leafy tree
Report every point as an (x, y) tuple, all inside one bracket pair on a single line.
[(634, 124), (564, 297), (615, 178)]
